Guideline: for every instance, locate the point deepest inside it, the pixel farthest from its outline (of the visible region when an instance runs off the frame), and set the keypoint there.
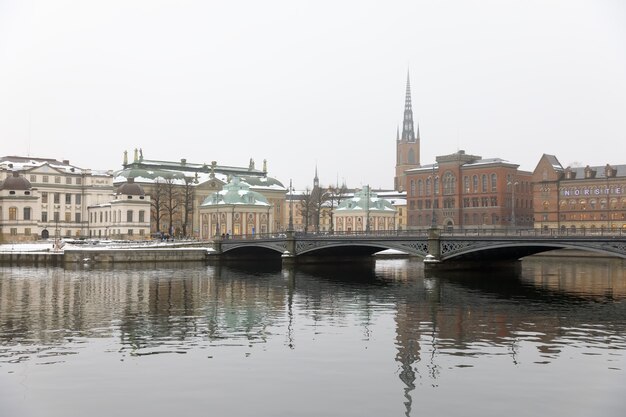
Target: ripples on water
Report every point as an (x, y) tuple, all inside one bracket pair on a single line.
[(380, 338)]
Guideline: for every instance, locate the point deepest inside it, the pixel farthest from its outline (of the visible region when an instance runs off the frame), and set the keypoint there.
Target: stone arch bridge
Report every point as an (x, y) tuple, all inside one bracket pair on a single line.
[(435, 246)]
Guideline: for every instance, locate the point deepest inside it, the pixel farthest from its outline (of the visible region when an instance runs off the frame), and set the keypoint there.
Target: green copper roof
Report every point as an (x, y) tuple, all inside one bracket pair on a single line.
[(236, 192), (365, 199)]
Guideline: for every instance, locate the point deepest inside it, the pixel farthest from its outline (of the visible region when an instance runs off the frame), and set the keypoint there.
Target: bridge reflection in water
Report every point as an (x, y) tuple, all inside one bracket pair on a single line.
[(477, 247), (443, 322)]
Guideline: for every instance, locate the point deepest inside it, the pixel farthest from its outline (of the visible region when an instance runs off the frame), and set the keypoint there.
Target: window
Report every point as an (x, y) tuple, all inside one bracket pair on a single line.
[(68, 180), (57, 198), (449, 183), (100, 217), (130, 232), (44, 216), (57, 216), (14, 231), (68, 198), (129, 216), (27, 213), (436, 185), (44, 178), (12, 213), (68, 216), (475, 181), (412, 188), (494, 183), (484, 183), (466, 184), (57, 180), (428, 186), (142, 232), (33, 178), (44, 198), (142, 215), (77, 217), (27, 231), (78, 199), (420, 187)]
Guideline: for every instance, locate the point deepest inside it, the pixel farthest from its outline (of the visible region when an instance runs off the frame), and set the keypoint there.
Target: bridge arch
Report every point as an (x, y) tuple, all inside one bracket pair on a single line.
[(516, 250)]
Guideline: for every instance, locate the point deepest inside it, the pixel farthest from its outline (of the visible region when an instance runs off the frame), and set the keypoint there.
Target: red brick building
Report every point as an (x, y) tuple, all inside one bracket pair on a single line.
[(467, 191), (577, 198)]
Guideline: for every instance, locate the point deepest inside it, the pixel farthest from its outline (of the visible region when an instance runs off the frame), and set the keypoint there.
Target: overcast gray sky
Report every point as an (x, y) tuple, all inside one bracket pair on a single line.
[(306, 82)]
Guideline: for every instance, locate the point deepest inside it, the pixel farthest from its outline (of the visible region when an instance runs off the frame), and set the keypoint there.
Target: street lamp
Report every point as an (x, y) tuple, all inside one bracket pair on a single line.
[(433, 222), (290, 226), (514, 184), (367, 220)]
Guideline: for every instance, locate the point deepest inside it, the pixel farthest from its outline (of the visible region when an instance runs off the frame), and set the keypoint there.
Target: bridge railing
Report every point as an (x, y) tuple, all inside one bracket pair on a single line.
[(421, 233), (535, 232)]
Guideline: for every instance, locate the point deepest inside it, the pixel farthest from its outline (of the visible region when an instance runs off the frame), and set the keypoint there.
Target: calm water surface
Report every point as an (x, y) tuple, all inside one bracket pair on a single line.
[(382, 339)]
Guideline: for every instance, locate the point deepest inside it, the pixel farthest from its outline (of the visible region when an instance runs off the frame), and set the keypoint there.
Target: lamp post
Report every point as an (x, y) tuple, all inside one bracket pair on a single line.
[(433, 221), (367, 210), (290, 226), (513, 184)]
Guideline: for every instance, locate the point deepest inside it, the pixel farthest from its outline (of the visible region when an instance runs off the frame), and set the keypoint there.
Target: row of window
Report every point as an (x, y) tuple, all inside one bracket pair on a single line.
[(472, 219), (116, 216), (56, 198), (114, 232), (483, 183), (450, 203), (57, 179)]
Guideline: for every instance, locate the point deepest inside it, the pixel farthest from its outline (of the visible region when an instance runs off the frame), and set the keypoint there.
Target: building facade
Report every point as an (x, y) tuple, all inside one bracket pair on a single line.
[(463, 190), (234, 211), (126, 216), (19, 209), (577, 198), (63, 191), (178, 189), (364, 212)]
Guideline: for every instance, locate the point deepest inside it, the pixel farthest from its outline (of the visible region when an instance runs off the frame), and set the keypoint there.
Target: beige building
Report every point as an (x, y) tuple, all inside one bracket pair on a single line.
[(63, 191), (19, 209), (365, 212), (234, 211)]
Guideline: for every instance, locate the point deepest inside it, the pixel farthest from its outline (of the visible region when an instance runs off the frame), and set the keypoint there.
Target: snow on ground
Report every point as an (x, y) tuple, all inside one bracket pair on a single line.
[(48, 245)]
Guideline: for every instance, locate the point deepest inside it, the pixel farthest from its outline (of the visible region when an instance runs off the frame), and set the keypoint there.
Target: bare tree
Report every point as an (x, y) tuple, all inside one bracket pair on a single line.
[(157, 200), (187, 203), (335, 195), (172, 201), (318, 199), (307, 207)]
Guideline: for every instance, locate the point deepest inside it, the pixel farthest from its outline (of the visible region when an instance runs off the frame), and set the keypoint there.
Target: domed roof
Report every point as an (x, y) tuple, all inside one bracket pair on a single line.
[(236, 192), (130, 187), (15, 182)]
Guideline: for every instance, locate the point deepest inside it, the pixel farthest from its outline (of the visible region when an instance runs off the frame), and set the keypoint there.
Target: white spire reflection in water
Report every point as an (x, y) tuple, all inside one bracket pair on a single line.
[(372, 339)]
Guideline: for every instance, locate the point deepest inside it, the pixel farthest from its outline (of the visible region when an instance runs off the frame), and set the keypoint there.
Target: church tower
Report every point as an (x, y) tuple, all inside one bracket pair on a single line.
[(407, 145)]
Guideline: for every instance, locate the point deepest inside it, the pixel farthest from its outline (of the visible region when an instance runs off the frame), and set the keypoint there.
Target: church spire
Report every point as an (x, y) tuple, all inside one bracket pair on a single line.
[(408, 132), (316, 181)]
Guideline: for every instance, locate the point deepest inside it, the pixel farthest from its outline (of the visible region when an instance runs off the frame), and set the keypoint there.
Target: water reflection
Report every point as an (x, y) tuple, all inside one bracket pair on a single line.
[(442, 321)]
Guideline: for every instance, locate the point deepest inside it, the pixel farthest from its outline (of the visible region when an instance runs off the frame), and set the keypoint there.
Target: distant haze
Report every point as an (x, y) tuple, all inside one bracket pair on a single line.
[(301, 83)]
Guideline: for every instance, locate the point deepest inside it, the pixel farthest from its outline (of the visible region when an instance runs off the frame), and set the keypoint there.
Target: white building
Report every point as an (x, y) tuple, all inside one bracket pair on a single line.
[(125, 216)]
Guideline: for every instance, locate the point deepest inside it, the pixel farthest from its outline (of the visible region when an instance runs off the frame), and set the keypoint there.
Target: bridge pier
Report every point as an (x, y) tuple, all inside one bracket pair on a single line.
[(289, 255), (434, 247)]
